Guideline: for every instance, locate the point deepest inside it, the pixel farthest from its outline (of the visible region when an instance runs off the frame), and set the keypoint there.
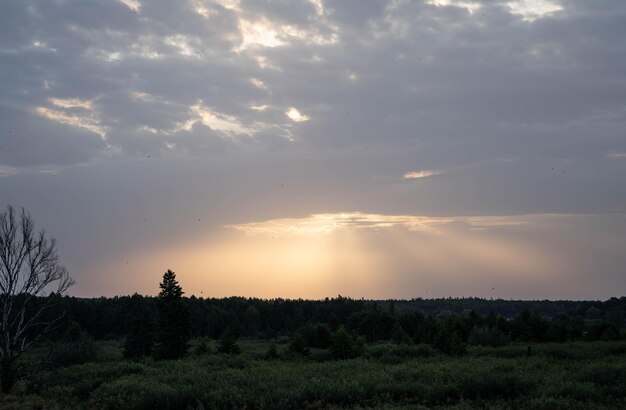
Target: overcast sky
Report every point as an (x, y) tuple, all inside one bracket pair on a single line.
[(310, 148)]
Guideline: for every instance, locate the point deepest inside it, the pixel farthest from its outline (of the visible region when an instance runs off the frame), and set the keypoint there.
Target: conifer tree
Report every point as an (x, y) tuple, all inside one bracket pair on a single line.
[(174, 320)]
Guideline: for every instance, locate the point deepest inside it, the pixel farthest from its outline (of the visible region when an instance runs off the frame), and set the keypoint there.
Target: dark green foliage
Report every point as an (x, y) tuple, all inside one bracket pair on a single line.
[(272, 352), (106, 318), (374, 324), (448, 341), (299, 342), (321, 336), (388, 376), (496, 384), (252, 320), (448, 337), (345, 345), (316, 335), (603, 331), (174, 320), (228, 343), (399, 336), (140, 339), (201, 348), (529, 327), (485, 336), (402, 352), (76, 347)]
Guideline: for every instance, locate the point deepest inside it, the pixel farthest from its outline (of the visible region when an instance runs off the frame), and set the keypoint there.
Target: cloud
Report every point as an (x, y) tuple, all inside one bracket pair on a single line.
[(420, 174), (327, 223), (295, 115), (530, 10), (48, 136), (74, 112), (471, 7), (616, 155), (134, 5), (215, 94), (7, 171), (217, 121)]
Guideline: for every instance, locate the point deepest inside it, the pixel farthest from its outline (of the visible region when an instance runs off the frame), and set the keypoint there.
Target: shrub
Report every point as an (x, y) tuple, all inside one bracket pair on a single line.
[(139, 393), (316, 336), (494, 385), (449, 343), (201, 348), (345, 345), (77, 347), (272, 352), (485, 336), (299, 342), (228, 343), (321, 336), (399, 336)]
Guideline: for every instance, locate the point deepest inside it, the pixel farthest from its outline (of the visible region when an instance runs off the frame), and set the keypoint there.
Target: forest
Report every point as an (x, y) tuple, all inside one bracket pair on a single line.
[(421, 319), (177, 352)]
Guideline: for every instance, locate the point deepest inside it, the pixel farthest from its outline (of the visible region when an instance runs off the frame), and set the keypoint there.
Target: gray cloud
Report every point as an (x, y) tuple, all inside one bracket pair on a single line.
[(183, 105)]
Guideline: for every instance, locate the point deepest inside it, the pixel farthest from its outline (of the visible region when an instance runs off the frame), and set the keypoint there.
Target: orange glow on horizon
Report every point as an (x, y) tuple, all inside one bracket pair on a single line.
[(358, 255)]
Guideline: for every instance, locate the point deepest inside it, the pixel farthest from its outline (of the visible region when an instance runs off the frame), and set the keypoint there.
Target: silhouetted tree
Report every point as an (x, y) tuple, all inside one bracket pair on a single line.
[(31, 278), (345, 345), (140, 339), (228, 343), (252, 319), (399, 336), (447, 339), (174, 320)]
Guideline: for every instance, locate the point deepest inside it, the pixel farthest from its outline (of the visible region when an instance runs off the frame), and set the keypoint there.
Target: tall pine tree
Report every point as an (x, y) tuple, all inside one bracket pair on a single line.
[(174, 320)]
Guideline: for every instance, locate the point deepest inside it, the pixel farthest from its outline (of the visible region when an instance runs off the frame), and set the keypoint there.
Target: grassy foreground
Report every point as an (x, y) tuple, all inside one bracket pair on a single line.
[(556, 376)]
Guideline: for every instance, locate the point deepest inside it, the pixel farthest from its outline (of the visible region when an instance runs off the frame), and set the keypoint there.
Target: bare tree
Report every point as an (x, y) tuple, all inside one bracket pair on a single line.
[(30, 277)]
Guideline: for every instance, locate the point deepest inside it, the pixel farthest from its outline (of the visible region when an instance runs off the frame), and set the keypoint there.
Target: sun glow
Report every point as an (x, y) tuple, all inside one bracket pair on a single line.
[(370, 255)]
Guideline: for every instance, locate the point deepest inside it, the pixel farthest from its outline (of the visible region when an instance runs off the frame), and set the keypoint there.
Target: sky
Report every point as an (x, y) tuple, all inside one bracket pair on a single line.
[(305, 149)]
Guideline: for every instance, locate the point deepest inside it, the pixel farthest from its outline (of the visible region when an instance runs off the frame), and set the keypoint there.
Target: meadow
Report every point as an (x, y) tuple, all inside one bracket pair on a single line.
[(267, 374)]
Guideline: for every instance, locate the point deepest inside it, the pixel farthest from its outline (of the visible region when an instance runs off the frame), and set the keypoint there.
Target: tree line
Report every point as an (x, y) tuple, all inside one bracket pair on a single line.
[(112, 318), (313, 323), (33, 309)]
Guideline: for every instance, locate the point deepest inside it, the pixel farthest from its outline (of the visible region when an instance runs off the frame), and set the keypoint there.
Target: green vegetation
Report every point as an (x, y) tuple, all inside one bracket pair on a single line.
[(577, 375), (334, 353)]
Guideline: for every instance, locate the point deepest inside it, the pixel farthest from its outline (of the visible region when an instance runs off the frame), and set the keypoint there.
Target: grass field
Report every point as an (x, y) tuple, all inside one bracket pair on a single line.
[(556, 376)]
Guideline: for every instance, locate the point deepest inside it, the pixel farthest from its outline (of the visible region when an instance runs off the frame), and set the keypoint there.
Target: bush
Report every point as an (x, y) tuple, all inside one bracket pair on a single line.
[(603, 331), (449, 343), (272, 352), (138, 344), (399, 336), (228, 343), (485, 336), (321, 336), (308, 336), (201, 348), (611, 378), (139, 393), (345, 345), (494, 385), (388, 352), (299, 342), (77, 347)]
